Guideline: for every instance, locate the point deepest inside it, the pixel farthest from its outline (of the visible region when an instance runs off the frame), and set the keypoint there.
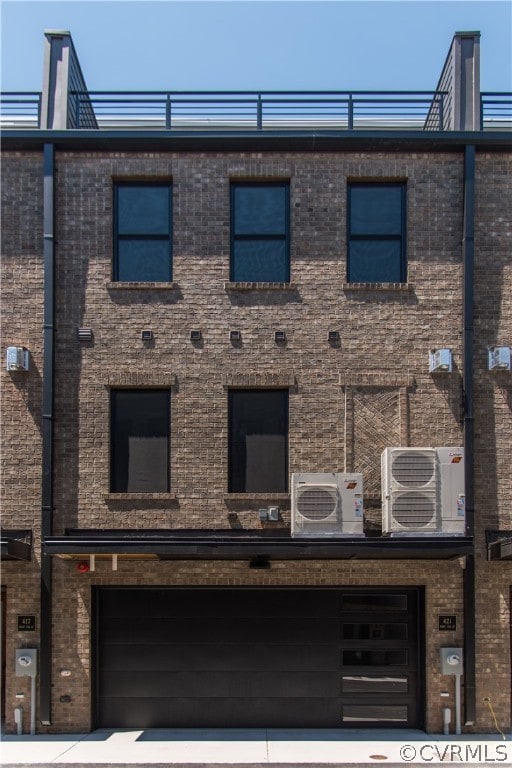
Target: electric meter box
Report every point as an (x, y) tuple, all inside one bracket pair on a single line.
[(451, 661), (26, 662)]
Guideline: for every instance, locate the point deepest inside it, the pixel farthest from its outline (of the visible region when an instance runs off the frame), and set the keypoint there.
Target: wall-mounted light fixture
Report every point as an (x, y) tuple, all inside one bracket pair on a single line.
[(17, 359), (235, 337), (195, 335), (499, 359), (333, 337), (280, 337), (85, 334), (146, 335), (440, 361)]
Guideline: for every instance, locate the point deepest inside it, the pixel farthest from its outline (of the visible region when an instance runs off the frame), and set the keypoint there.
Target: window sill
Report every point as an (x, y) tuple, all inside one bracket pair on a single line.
[(255, 286), (139, 496), (257, 497), (119, 285), (398, 287)]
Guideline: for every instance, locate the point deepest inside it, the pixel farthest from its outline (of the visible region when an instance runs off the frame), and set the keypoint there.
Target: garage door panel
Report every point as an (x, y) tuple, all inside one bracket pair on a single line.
[(276, 603), (234, 630), (220, 713), (244, 684), (256, 657), (226, 656)]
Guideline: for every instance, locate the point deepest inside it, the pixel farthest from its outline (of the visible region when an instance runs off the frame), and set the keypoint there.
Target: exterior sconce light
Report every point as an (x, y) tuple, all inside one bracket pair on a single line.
[(499, 359), (235, 337), (195, 335), (17, 359), (280, 337), (440, 361), (146, 335)]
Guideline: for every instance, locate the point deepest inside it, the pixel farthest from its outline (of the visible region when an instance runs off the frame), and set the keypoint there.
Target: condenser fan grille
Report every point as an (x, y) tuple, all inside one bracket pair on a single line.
[(317, 503), (414, 510), (413, 468)]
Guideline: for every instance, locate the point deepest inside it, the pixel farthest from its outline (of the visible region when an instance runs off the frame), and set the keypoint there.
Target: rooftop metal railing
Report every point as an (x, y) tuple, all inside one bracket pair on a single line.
[(255, 110), (496, 110), (20, 109), (258, 110)]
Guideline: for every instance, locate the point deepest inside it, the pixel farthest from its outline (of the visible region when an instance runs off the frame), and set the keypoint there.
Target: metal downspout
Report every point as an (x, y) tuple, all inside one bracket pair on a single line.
[(47, 448), (468, 249)]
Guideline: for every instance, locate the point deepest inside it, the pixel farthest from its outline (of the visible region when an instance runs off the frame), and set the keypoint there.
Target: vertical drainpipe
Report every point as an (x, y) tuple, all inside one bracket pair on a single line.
[(47, 452), (468, 248)]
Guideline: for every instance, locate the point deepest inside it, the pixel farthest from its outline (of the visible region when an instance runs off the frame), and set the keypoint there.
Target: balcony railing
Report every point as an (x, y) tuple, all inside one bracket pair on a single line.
[(255, 110)]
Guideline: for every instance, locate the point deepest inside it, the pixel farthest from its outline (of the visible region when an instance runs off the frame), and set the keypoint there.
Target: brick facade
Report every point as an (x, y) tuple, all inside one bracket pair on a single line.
[(347, 401)]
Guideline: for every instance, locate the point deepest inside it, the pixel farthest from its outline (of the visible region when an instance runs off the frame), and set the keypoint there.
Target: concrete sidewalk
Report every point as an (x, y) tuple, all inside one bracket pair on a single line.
[(254, 746)]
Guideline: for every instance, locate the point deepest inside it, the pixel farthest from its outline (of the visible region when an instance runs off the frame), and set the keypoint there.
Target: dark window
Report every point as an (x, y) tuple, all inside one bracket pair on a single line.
[(142, 232), (140, 441), (370, 603), (260, 247), (376, 233), (384, 631), (258, 441), (375, 658)]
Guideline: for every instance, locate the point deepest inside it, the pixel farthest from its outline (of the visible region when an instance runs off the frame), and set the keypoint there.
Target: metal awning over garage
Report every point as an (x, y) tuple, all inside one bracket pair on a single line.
[(16, 544), (250, 545)]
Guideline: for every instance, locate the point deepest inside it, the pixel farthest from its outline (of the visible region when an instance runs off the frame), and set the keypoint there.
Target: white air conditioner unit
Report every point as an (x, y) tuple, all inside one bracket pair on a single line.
[(409, 485), (499, 359), (423, 491), (327, 504)]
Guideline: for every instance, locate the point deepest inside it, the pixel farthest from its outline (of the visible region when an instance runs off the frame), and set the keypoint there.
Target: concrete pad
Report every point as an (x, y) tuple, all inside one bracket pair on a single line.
[(36, 749), (258, 746), (170, 746)]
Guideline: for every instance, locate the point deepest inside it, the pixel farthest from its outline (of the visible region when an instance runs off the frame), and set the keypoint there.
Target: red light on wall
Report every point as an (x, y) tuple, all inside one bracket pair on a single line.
[(83, 567)]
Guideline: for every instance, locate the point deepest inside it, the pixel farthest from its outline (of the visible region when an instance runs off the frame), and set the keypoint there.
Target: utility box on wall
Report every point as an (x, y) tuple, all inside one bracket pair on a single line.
[(26, 662), (451, 661)]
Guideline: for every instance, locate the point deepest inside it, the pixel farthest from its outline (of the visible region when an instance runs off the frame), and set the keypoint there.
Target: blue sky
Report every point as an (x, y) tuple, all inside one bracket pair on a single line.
[(256, 44)]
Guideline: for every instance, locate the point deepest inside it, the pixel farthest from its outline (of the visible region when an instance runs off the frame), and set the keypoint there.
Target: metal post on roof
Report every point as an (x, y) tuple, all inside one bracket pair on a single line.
[(259, 113), (350, 112), (168, 111)]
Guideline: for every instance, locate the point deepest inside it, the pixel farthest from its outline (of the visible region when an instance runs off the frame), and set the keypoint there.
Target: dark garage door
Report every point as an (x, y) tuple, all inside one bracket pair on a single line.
[(172, 657)]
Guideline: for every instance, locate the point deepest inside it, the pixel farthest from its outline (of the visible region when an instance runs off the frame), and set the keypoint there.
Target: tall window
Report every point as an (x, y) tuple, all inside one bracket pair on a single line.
[(376, 233), (142, 232), (140, 422), (258, 441), (260, 241)]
